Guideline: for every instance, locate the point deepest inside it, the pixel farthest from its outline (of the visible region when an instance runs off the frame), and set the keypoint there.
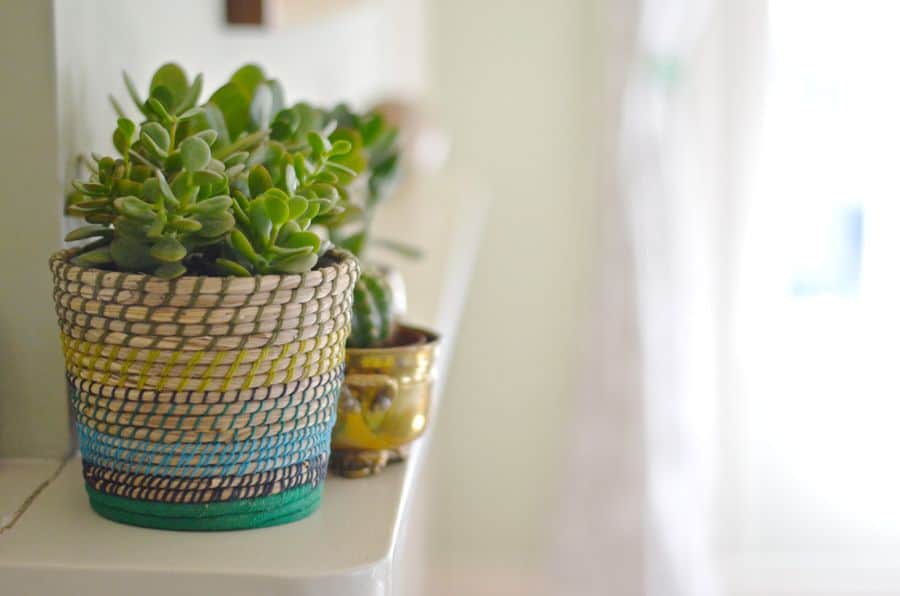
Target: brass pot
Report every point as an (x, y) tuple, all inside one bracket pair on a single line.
[(384, 402)]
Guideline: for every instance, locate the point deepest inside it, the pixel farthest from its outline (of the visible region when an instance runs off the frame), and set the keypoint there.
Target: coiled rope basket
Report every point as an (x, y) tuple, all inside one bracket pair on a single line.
[(204, 403)]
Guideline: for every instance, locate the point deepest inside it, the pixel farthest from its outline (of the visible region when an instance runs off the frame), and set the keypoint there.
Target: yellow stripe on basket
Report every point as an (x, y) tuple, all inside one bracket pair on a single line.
[(226, 381), (186, 375), (142, 378), (95, 356), (262, 356), (291, 365), (167, 368), (107, 370), (270, 378), (208, 372), (129, 361)]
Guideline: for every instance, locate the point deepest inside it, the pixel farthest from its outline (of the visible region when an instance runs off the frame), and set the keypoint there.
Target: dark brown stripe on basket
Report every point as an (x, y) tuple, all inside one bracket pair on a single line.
[(312, 475)]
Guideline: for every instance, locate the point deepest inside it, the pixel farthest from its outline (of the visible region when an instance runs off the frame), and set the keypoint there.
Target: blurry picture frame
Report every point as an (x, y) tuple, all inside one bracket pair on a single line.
[(278, 14)]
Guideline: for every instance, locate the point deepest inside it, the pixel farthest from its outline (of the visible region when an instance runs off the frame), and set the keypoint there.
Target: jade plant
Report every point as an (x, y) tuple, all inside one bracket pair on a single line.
[(234, 186), (379, 155)]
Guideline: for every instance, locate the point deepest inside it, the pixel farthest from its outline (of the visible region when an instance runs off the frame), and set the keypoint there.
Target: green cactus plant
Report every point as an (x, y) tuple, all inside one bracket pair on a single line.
[(229, 187), (372, 323)]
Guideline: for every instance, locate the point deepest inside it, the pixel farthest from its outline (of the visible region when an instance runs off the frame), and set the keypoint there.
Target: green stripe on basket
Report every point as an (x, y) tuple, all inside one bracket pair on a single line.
[(245, 514)]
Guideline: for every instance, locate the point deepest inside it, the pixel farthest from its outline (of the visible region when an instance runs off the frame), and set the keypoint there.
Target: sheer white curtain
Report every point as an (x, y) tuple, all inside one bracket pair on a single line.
[(660, 353)]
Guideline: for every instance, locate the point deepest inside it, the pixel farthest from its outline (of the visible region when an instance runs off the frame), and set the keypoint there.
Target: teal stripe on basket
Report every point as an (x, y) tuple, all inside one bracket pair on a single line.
[(156, 458), (262, 512)]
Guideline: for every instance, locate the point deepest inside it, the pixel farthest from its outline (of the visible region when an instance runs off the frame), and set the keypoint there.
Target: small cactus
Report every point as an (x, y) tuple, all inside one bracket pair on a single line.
[(372, 323)]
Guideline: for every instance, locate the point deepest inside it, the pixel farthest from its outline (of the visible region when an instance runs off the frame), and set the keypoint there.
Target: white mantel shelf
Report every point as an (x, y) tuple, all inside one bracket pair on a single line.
[(59, 546)]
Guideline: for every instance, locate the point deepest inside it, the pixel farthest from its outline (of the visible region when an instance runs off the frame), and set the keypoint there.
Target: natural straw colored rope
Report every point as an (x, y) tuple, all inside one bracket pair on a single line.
[(143, 284), (192, 315), (312, 321), (274, 338), (132, 298)]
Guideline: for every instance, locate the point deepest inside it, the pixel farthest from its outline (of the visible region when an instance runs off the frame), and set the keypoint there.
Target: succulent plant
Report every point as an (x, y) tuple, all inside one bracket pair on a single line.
[(372, 322), (230, 187), (377, 155)]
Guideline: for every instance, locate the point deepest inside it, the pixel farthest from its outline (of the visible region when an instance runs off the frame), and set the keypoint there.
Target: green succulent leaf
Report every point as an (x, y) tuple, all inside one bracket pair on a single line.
[(287, 229), (190, 113), (171, 77), (295, 263), (165, 189), (158, 108), (341, 147), (277, 95), (229, 267), (126, 129), (99, 218), (235, 108), (215, 224), (190, 98), (213, 204), (170, 270), (312, 210), (209, 136), (93, 204), (247, 78), (234, 159), (155, 137), (301, 240), (319, 144), (131, 254), (261, 107), (185, 224), (156, 229), (195, 154), (168, 250), (94, 258), (90, 188), (277, 206), (260, 220), (354, 242), (92, 231), (215, 119), (297, 206), (135, 208), (285, 125), (259, 180), (242, 246), (208, 177)]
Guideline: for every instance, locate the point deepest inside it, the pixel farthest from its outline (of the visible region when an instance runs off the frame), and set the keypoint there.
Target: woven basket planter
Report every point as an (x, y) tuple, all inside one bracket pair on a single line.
[(204, 403)]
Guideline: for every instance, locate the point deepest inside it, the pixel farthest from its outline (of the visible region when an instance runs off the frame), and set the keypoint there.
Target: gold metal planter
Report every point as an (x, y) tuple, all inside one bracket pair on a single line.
[(384, 402)]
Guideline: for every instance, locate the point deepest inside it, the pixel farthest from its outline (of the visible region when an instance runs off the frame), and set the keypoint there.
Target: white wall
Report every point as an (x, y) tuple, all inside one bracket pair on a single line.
[(33, 409), (507, 77), (345, 55)]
